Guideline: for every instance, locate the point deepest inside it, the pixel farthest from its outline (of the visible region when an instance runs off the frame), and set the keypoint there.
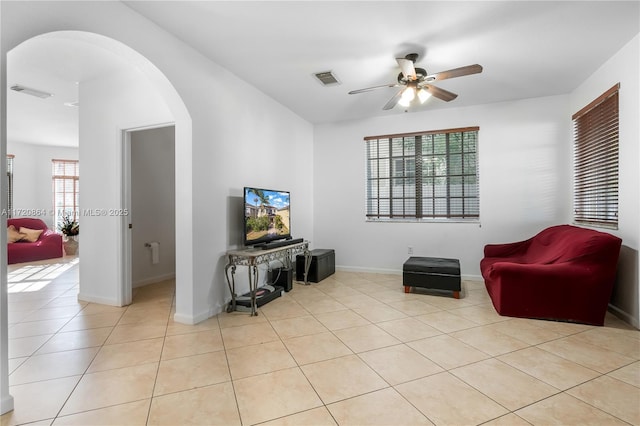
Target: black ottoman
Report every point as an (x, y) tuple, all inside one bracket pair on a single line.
[(432, 272), (323, 264)]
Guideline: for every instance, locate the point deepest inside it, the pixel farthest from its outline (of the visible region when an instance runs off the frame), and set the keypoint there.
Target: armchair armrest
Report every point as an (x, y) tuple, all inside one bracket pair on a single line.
[(507, 249)]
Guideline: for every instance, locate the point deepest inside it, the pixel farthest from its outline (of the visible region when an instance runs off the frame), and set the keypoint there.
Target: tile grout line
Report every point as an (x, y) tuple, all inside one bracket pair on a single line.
[(86, 369), (164, 339), (563, 335), (231, 379)]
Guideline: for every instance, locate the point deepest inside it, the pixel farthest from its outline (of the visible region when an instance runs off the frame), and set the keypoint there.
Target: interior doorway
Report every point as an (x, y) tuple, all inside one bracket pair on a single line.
[(149, 188)]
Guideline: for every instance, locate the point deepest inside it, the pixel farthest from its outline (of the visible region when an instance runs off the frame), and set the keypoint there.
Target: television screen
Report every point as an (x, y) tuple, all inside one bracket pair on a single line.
[(266, 215)]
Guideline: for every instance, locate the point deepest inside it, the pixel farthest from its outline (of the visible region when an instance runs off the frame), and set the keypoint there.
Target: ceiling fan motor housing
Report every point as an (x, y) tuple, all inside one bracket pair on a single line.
[(421, 73), (413, 57)]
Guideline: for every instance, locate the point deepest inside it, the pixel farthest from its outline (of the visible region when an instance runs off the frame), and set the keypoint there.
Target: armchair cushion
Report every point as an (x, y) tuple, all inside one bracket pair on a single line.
[(30, 235), (13, 235)]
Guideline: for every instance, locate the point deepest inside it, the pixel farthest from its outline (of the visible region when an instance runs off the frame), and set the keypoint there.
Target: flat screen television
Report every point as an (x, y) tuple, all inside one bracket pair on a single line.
[(266, 215)]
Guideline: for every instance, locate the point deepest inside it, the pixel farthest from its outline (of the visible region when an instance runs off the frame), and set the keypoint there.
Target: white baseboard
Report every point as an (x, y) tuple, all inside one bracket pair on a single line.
[(367, 270), (6, 404), (153, 280), (624, 316), (192, 319), (96, 299), (472, 277), (394, 272), (183, 319)]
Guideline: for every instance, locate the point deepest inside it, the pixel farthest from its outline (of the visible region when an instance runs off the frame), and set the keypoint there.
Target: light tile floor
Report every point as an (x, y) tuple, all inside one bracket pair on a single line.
[(353, 349)]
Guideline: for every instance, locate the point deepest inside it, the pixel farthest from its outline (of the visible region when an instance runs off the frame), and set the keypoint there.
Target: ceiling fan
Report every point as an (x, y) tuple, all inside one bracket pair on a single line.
[(416, 82)]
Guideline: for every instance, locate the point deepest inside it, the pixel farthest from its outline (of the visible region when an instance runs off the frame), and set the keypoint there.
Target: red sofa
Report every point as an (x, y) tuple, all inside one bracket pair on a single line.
[(563, 273), (48, 246)]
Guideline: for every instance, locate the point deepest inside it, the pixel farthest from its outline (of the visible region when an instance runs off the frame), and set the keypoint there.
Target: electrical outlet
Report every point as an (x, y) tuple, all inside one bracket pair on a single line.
[(410, 250)]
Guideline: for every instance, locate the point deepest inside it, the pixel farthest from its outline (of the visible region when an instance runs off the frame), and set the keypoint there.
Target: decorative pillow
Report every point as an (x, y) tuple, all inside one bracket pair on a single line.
[(31, 235), (13, 235)]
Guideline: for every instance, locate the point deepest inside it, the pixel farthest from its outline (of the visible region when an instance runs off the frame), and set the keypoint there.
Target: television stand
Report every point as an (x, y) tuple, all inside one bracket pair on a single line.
[(253, 257)]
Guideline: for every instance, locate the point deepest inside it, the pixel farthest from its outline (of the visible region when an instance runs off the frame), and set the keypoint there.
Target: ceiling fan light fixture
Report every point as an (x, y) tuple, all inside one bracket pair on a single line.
[(408, 94), (423, 95)]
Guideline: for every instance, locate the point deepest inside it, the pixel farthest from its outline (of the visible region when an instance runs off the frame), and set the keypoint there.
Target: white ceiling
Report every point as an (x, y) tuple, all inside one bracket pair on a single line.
[(53, 64), (527, 49)]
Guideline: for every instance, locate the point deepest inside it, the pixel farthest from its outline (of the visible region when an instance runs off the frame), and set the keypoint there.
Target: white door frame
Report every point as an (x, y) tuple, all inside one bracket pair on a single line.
[(126, 289)]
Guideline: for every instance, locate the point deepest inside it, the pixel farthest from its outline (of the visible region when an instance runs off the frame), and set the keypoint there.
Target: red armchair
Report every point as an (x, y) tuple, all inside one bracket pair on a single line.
[(48, 245), (563, 273)]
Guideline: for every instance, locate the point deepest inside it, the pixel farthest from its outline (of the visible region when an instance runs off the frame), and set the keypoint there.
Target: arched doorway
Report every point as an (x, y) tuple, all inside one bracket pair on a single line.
[(105, 233)]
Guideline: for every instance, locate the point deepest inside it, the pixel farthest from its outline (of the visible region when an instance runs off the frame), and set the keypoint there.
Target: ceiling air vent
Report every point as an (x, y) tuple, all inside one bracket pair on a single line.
[(327, 78), (29, 91)]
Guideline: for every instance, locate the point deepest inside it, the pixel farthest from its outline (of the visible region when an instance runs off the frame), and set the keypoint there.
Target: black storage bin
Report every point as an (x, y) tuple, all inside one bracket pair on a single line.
[(323, 264), (282, 277)]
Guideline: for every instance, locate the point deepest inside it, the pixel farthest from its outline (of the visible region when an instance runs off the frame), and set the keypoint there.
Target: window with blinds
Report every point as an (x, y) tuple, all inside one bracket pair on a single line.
[(10, 185), (66, 187), (595, 192), (429, 175)]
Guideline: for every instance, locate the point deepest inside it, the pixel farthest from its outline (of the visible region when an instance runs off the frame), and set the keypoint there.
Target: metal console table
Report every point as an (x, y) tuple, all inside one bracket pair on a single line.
[(253, 257)]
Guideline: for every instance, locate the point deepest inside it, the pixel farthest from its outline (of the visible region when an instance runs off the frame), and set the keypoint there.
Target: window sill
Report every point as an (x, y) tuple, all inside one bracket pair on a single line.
[(416, 220)]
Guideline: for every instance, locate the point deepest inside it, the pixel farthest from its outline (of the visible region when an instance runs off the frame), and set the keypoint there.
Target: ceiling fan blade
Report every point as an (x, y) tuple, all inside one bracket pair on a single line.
[(456, 72), (353, 92), (393, 101), (408, 70), (439, 93)]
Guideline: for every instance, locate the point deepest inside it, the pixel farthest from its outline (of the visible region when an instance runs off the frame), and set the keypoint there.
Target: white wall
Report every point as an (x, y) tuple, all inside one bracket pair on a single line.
[(32, 186), (257, 143), (623, 68), (524, 153), (108, 105), (153, 204), (236, 136)]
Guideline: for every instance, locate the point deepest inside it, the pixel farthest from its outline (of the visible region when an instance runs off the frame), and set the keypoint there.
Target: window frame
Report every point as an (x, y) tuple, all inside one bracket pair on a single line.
[(396, 161), (63, 209), (596, 161)]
